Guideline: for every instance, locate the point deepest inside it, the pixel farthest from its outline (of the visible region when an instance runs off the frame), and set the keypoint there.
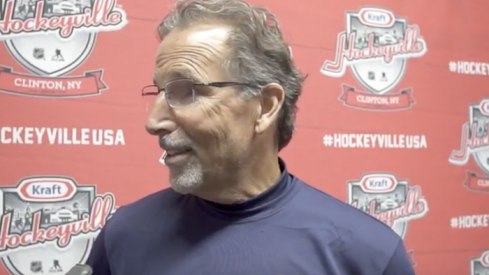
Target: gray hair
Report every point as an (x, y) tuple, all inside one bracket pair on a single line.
[(260, 55)]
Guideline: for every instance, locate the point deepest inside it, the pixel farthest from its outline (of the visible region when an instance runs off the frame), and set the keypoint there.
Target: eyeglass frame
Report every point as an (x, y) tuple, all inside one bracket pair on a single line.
[(218, 84)]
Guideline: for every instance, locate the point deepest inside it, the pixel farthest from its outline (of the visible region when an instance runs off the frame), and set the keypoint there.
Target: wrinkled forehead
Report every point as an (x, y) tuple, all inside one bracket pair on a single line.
[(192, 52)]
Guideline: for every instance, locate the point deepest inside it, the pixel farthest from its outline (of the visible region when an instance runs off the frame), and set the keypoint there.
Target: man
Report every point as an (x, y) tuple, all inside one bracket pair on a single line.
[(226, 92)]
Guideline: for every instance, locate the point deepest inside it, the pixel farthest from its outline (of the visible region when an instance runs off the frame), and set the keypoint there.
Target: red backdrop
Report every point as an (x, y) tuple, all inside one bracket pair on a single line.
[(393, 119)]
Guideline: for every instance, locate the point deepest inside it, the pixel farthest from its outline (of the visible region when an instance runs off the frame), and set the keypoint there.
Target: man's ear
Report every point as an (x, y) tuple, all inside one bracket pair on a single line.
[(271, 101)]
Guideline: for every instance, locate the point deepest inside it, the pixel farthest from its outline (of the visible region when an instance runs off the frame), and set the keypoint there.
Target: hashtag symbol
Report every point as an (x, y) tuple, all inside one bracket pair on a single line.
[(452, 66), (328, 140), (454, 223)]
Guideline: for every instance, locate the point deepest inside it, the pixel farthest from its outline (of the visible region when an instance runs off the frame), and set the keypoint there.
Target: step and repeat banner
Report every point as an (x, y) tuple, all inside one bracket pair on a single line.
[(394, 120)]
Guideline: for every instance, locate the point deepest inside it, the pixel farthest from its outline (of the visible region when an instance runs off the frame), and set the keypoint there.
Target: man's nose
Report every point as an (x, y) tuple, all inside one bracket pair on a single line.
[(160, 118)]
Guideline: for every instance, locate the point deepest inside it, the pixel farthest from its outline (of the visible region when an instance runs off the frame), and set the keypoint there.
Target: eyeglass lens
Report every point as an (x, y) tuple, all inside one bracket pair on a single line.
[(180, 92)]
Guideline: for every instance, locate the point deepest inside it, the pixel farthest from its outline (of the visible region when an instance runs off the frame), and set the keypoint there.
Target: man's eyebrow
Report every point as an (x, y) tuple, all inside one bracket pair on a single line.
[(181, 74), (175, 75)]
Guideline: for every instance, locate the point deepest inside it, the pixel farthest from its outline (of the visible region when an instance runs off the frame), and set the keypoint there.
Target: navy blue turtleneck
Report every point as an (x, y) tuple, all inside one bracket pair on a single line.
[(292, 229)]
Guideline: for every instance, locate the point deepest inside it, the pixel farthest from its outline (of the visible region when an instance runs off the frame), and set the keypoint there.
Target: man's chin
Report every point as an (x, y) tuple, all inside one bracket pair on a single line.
[(184, 183), (186, 179)]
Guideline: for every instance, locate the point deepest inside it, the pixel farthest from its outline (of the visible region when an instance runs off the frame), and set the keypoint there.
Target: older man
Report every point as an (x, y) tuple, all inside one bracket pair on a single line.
[(226, 91)]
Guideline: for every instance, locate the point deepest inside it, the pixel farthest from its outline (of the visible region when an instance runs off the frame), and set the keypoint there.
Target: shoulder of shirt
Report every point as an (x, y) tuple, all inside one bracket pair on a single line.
[(354, 228), (144, 209)]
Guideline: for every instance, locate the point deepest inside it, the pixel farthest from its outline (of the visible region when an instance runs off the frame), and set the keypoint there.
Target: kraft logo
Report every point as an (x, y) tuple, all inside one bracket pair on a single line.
[(378, 183), (376, 17), (46, 189)]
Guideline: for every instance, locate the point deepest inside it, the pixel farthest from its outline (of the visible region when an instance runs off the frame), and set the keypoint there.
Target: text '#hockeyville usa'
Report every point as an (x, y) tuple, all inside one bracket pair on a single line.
[(61, 136)]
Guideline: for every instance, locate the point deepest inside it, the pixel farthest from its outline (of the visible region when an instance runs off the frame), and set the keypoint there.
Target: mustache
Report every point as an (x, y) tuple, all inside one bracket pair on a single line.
[(169, 142)]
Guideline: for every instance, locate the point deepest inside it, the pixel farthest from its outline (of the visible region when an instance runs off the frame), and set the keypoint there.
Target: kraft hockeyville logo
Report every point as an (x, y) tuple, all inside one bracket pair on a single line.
[(50, 217), (389, 199), (376, 46), (474, 142), (480, 264), (50, 39)]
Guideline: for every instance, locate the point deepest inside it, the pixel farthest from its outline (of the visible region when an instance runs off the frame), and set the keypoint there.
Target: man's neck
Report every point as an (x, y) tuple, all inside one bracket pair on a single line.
[(246, 183)]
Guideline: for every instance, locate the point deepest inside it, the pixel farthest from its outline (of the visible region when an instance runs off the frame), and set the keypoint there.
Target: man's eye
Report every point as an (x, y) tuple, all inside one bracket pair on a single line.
[(180, 92)]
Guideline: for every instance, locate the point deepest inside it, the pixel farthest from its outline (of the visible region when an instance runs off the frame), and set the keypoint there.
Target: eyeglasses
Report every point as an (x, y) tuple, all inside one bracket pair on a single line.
[(183, 91)]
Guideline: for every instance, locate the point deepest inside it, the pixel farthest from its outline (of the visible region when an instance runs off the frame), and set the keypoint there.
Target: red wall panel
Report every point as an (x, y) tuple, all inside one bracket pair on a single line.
[(397, 123)]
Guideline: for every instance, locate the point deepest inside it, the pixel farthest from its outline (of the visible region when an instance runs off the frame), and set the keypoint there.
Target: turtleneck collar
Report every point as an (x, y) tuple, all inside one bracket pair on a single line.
[(266, 204)]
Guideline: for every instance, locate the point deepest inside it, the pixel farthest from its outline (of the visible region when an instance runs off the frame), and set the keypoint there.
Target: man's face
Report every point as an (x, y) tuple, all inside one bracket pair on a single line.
[(208, 139)]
